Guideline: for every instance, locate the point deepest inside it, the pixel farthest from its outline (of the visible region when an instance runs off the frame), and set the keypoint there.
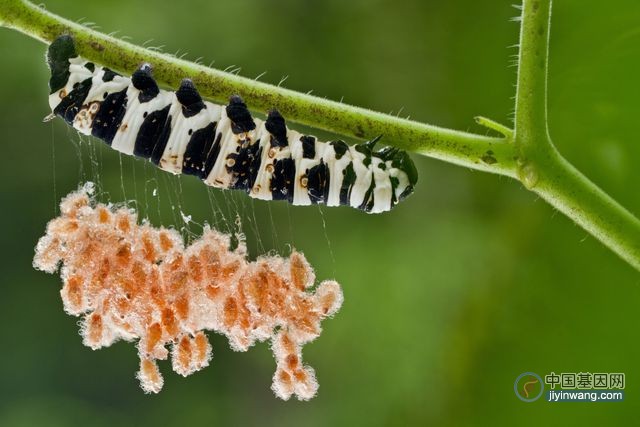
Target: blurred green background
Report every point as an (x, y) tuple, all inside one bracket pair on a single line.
[(470, 282)]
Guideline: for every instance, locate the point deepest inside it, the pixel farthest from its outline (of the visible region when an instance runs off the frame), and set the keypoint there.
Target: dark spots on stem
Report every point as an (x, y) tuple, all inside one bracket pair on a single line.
[(489, 158)]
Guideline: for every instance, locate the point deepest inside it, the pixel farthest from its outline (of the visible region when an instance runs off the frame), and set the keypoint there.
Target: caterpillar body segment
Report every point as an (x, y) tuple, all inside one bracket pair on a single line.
[(224, 146)]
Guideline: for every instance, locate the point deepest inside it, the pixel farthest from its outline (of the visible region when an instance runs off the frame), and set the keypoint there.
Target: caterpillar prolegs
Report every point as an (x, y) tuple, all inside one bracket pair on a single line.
[(222, 145)]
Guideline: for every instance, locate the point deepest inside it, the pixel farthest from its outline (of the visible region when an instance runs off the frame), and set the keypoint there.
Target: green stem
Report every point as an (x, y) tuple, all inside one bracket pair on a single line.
[(531, 93), (526, 153), (541, 168), (569, 191), (457, 147)]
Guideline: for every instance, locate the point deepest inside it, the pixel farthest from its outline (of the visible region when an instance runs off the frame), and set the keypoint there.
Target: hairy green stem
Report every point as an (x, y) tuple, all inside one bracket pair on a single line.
[(569, 191), (526, 153), (531, 94), (457, 147), (541, 168)]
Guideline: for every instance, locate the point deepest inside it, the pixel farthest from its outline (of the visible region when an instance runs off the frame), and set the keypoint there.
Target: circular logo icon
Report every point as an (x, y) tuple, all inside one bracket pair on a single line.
[(528, 387)]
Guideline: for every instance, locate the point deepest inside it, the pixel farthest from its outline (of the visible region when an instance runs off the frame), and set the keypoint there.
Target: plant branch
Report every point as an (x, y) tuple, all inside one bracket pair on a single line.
[(541, 168), (531, 93), (461, 148), (526, 153), (570, 192)]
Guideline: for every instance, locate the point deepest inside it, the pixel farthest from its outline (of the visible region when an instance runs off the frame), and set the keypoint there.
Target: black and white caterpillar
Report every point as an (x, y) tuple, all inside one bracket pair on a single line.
[(222, 145)]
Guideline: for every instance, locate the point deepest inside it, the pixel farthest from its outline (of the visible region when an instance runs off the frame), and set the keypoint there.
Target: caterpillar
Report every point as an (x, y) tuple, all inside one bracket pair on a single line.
[(224, 146)]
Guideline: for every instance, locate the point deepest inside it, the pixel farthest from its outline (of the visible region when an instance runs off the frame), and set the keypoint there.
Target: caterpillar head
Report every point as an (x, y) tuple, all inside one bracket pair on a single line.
[(67, 71), (60, 51)]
